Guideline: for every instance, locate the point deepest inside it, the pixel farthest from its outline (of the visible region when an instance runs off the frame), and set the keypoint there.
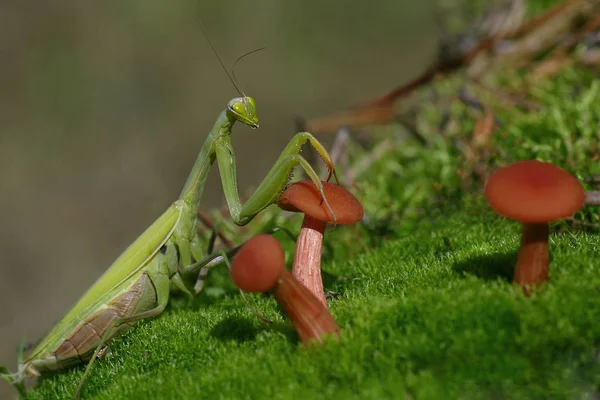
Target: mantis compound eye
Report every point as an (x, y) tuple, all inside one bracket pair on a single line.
[(238, 108)]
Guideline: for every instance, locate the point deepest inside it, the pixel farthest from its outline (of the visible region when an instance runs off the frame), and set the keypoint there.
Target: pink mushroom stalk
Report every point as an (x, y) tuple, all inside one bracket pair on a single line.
[(305, 197), (259, 267)]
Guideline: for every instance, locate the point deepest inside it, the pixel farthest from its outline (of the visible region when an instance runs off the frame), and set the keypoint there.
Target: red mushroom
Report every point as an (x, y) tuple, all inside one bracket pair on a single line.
[(304, 197), (259, 267), (533, 193)]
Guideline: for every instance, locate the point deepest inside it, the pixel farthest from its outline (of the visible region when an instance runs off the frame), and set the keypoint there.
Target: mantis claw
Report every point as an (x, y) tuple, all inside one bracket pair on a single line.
[(328, 163), (324, 200), (332, 172)]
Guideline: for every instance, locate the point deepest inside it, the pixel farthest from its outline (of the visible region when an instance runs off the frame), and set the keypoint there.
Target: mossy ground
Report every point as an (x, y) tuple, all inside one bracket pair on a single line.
[(428, 315), (427, 310)]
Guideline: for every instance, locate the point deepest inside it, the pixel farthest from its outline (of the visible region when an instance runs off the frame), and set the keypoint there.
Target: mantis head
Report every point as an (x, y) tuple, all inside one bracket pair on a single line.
[(244, 110)]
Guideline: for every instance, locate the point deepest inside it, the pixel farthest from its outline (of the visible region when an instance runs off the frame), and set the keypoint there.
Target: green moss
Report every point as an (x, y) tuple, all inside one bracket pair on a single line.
[(428, 315)]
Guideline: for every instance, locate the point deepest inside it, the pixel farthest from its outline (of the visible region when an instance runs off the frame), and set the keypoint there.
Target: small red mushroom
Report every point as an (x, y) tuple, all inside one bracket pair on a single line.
[(259, 267), (304, 196), (533, 193)]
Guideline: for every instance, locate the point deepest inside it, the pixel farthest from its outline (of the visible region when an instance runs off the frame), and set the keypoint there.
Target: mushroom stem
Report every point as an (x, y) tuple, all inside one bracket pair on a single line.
[(305, 311), (307, 259), (533, 257)]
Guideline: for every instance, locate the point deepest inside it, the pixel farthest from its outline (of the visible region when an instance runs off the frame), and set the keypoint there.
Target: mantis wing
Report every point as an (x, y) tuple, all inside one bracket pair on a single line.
[(129, 263)]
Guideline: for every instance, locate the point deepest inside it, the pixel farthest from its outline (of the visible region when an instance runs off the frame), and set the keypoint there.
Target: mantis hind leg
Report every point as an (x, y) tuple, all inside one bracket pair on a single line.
[(274, 183), (18, 378)]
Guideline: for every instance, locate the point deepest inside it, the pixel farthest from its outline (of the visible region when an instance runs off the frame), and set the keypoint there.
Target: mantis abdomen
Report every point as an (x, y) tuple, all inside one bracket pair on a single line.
[(79, 346)]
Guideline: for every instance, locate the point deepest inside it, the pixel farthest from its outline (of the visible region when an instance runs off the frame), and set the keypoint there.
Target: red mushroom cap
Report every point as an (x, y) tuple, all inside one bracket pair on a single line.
[(534, 192), (304, 196), (258, 264)]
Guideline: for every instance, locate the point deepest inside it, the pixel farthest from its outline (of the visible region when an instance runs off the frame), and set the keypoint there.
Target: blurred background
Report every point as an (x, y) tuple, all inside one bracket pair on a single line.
[(104, 106)]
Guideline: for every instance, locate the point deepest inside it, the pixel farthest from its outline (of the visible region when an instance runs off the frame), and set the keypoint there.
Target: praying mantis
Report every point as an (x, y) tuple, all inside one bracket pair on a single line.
[(137, 285)]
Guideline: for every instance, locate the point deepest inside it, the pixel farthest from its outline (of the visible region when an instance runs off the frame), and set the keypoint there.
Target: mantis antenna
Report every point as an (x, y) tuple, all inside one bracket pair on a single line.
[(238, 59), (232, 75)]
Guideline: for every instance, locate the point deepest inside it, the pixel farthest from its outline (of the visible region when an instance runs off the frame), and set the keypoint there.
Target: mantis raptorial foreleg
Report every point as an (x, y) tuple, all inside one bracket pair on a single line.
[(266, 194), (271, 187)]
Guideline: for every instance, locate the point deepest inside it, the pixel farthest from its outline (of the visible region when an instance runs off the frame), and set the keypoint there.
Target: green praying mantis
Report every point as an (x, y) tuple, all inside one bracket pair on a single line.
[(137, 285)]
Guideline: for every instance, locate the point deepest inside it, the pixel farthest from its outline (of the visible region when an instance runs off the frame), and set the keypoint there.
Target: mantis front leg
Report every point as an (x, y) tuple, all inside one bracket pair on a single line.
[(266, 194), (271, 187)]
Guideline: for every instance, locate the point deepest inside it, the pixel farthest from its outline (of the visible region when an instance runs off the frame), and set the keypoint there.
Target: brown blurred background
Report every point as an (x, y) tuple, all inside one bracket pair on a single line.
[(104, 105)]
